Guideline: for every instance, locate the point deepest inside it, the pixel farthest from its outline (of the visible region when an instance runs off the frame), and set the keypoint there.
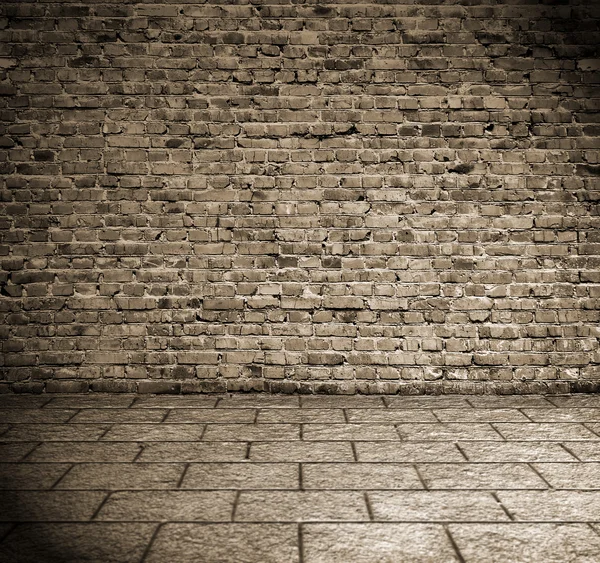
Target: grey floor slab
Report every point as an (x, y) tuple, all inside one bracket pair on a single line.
[(163, 506), (480, 476), (242, 476), (355, 476), (31, 476), (301, 451), (97, 542), (581, 476), (113, 476), (76, 452), (350, 432), (15, 451), (109, 415), (251, 432), (54, 432), (585, 451), (341, 401), (255, 401), (444, 432), (408, 452), (575, 400), (575, 414), (553, 431), (376, 543), (301, 415), (35, 416), (174, 401), (301, 506), (56, 506), (155, 432), (220, 543), (390, 415), (91, 401), (436, 506), (552, 506), (23, 401), (211, 415), (480, 415), (193, 451), (477, 451), (526, 543), (508, 401), (433, 402)]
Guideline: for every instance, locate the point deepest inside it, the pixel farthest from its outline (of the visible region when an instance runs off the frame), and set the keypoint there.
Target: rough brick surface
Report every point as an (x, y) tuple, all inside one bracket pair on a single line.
[(292, 196)]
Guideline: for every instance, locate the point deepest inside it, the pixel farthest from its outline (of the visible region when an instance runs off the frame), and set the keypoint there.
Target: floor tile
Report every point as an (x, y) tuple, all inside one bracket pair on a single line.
[(220, 543), (480, 415), (35, 416), (526, 543), (390, 415), (92, 401), (43, 506), (76, 452), (581, 476), (556, 506), (30, 475), (585, 451), (355, 476), (350, 432), (480, 476), (554, 431), (408, 452), (515, 451), (341, 401), (174, 401), (36, 543), (257, 401), (15, 451), (301, 506), (119, 415), (114, 476), (509, 401), (55, 432), (205, 506), (428, 402), (448, 431), (376, 543), (564, 414), (251, 432), (194, 451), (576, 400), (301, 451), (23, 401), (435, 506), (155, 432), (241, 476), (301, 415), (211, 415)]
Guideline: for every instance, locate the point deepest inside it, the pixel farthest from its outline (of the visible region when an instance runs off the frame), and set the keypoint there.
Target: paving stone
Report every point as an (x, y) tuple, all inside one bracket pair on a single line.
[(30, 475), (35, 416), (43, 506), (408, 452), (76, 452), (54, 432), (341, 401), (93, 401), (120, 415), (259, 401), (448, 431), (350, 432), (571, 475), (211, 415), (15, 451), (564, 415), (194, 451), (585, 451), (301, 451), (509, 401), (480, 476), (251, 432), (218, 543), (515, 451), (556, 506), (526, 543), (23, 401), (149, 506), (301, 506), (480, 415), (114, 476), (360, 476), (301, 415), (155, 432), (576, 400), (374, 542), (390, 415), (174, 402), (555, 431), (241, 476), (428, 402), (34, 543), (435, 506)]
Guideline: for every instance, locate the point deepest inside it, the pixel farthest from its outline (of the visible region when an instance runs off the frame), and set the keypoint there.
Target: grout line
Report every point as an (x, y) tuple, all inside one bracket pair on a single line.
[(533, 468), (346, 419), (152, 538), (8, 429), (435, 416), (455, 547), (354, 452), (73, 416), (104, 433), (506, 511), (216, 403), (596, 530), (425, 487), (10, 528), (248, 446), (525, 414), (586, 425), (369, 507), (571, 452), (300, 477), (383, 401), (24, 458), (463, 451), (301, 431), (498, 431), (300, 543), (236, 501), (62, 476), (164, 418), (137, 456), (469, 403), (182, 476), (101, 505), (256, 416)]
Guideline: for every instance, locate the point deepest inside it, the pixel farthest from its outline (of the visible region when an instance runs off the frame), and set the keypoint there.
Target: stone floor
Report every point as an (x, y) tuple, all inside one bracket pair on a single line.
[(313, 479)]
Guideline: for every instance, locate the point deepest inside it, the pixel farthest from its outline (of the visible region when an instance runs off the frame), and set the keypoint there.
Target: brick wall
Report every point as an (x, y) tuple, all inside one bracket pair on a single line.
[(339, 197)]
